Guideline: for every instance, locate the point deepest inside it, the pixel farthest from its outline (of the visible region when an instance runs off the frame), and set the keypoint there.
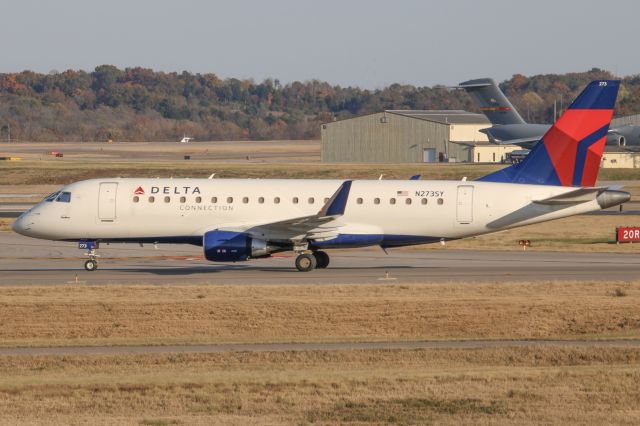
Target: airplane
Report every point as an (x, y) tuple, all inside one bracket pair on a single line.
[(510, 128), (186, 139), (235, 220)]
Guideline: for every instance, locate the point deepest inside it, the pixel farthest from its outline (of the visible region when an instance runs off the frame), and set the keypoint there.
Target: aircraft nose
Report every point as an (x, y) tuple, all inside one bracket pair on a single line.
[(22, 225)]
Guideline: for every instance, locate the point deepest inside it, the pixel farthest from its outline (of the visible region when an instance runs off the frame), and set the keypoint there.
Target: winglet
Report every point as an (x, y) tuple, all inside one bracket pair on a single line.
[(338, 202), (415, 177)]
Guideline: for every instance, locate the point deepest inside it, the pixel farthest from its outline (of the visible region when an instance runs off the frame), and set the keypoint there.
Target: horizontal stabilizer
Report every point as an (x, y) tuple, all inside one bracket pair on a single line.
[(578, 196), (472, 85)]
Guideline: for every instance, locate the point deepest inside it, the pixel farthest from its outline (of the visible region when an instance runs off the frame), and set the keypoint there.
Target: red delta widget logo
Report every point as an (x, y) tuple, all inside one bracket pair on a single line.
[(139, 191)]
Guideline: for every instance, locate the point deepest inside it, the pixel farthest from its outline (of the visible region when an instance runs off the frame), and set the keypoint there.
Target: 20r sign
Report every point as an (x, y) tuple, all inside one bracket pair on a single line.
[(628, 234)]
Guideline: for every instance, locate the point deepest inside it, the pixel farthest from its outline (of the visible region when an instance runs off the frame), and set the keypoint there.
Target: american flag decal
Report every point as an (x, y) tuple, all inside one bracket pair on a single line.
[(403, 193)]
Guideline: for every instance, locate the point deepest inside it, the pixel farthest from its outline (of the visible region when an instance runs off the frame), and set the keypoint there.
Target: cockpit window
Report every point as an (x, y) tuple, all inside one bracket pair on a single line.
[(52, 197), (64, 197)]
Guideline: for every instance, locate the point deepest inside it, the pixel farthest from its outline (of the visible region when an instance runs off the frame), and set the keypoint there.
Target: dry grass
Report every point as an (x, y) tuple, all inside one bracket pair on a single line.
[(115, 314), (529, 385), (507, 385), (587, 233), (49, 172), (5, 224)]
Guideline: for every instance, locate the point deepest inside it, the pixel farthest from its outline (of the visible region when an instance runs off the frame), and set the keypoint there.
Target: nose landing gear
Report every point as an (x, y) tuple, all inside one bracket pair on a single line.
[(92, 263), (306, 262)]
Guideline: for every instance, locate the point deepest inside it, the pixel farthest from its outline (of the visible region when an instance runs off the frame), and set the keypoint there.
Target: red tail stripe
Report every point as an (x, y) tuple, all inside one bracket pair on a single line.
[(562, 140), (580, 123), (592, 163)]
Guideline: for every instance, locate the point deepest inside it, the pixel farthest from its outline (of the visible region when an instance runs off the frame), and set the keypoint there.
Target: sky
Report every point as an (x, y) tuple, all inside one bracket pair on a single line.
[(369, 43)]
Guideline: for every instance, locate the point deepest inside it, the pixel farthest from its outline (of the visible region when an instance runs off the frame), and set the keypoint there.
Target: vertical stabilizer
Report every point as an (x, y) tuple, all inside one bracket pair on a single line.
[(491, 101), (569, 153)]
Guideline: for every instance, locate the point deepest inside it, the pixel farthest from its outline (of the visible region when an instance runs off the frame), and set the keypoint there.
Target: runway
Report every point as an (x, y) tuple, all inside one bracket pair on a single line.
[(333, 346), (26, 261)]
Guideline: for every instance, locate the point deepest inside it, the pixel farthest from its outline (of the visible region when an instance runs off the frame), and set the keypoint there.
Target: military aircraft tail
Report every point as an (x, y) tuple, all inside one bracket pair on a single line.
[(492, 102)]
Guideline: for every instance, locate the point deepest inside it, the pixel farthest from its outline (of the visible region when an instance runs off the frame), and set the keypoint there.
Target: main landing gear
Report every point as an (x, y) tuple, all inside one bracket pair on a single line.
[(306, 262)]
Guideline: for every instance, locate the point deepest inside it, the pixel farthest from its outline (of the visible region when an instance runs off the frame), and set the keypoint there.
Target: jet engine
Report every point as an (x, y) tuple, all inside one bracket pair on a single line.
[(614, 139), (227, 246)]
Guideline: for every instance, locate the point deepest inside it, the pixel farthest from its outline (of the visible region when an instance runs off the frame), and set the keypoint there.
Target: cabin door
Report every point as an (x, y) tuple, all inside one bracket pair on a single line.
[(107, 201), (464, 204)]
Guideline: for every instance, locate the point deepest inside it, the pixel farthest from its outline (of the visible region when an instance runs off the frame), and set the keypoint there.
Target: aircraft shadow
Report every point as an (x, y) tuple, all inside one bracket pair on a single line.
[(212, 270)]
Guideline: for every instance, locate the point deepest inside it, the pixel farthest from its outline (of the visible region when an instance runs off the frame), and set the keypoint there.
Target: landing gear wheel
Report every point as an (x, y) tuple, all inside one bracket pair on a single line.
[(91, 265), (306, 262), (322, 259)]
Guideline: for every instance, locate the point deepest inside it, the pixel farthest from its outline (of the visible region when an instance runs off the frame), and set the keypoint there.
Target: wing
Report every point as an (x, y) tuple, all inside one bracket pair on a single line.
[(324, 224), (527, 143)]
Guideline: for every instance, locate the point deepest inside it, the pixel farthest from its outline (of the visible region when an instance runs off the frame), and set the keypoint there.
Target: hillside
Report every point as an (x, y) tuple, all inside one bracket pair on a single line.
[(138, 104)]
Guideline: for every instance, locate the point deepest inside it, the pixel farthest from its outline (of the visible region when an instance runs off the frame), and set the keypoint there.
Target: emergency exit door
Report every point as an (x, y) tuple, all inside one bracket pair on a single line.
[(464, 204), (107, 201)]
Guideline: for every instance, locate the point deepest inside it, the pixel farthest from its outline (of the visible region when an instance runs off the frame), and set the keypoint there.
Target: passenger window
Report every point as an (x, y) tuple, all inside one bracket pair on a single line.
[(152, 199), (425, 201), (245, 200), (214, 200), (198, 200), (167, 199), (276, 200), (407, 201), (359, 200), (183, 199), (440, 201), (392, 201), (261, 200), (376, 201), (64, 197), (229, 200), (136, 199), (311, 200), (295, 200)]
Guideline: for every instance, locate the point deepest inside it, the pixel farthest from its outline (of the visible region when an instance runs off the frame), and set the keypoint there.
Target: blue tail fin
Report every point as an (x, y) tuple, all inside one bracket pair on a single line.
[(569, 153)]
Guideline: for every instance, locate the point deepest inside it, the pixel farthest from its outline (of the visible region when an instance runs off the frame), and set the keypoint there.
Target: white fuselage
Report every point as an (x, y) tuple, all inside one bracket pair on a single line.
[(183, 210)]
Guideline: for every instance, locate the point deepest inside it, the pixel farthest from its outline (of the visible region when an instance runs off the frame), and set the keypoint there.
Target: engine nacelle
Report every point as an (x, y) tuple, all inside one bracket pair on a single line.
[(614, 139), (227, 246)]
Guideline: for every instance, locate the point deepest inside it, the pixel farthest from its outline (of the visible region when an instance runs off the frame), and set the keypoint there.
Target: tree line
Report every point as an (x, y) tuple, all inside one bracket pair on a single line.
[(139, 104)]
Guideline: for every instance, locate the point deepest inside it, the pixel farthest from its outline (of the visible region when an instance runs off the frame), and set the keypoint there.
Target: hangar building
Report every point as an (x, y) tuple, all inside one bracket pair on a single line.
[(410, 136)]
